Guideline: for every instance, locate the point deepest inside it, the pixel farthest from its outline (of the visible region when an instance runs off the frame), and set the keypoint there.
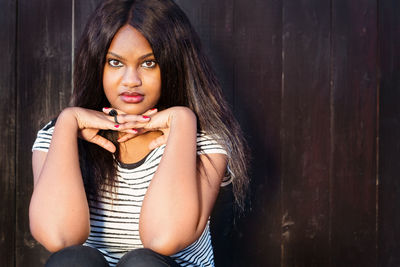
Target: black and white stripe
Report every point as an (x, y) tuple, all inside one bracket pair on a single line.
[(114, 219)]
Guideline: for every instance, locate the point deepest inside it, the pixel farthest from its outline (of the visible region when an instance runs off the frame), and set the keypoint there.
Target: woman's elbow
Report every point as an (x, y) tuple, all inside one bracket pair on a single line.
[(168, 242), (54, 240), (164, 246), (54, 243)]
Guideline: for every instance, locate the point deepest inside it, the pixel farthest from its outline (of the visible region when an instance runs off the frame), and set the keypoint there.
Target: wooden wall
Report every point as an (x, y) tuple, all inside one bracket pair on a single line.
[(315, 85)]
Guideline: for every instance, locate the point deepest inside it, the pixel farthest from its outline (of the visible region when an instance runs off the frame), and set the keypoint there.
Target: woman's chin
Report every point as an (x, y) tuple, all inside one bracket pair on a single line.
[(133, 111)]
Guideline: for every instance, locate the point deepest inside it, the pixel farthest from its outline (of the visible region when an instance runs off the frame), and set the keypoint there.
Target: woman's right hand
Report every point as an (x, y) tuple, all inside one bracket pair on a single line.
[(89, 123)]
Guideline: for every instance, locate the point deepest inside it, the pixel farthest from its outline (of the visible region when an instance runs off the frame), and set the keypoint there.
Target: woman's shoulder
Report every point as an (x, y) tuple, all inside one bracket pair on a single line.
[(214, 144), (210, 143), (43, 137)]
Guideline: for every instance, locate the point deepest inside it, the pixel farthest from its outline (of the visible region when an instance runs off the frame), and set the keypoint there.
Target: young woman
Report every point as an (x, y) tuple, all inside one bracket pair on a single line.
[(132, 169)]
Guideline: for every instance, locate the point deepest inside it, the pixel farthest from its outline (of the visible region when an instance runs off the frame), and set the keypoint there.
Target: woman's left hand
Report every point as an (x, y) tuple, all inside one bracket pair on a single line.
[(160, 121)]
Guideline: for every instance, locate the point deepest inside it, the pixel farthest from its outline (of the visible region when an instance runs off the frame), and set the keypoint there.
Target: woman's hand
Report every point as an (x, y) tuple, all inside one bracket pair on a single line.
[(163, 121), (158, 121), (89, 123)]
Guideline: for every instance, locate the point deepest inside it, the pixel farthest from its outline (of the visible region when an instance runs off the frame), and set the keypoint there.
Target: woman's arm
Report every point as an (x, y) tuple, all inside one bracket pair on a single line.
[(58, 212), (180, 198)]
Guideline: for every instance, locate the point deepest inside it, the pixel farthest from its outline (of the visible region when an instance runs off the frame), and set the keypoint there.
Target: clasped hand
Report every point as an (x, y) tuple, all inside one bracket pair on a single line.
[(90, 122)]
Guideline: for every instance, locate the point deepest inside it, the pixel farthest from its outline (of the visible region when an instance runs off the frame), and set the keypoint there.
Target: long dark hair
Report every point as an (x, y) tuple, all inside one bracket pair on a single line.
[(186, 76)]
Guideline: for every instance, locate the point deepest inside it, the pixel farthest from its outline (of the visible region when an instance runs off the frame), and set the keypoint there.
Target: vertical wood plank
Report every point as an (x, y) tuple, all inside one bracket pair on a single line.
[(82, 11), (44, 81), (305, 133), (257, 101), (213, 21), (354, 105), (389, 133), (7, 134)]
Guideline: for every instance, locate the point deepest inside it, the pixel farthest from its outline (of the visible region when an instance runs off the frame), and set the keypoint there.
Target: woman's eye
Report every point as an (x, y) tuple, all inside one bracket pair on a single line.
[(114, 63), (149, 64)]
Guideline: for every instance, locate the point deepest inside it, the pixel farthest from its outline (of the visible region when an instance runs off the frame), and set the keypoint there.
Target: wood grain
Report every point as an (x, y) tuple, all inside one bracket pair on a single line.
[(257, 102), (7, 134), (315, 86), (82, 11), (44, 86), (305, 133), (354, 109), (389, 133), (213, 21)]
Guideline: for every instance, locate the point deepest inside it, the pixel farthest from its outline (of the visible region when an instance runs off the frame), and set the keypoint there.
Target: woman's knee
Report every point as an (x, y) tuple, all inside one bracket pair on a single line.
[(77, 256), (144, 257)]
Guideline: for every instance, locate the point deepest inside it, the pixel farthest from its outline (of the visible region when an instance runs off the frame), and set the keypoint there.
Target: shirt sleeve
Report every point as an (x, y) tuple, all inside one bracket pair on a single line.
[(207, 144), (43, 138)]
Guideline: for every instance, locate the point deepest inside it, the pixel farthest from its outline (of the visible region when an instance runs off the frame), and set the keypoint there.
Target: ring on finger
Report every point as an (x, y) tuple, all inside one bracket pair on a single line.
[(115, 119), (114, 113)]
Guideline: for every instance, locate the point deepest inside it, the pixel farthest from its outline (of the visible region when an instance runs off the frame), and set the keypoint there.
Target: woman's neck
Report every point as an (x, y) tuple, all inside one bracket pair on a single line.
[(137, 148)]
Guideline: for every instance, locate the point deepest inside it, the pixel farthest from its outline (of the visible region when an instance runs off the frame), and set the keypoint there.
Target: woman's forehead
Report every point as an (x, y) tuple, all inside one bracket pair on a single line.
[(129, 42)]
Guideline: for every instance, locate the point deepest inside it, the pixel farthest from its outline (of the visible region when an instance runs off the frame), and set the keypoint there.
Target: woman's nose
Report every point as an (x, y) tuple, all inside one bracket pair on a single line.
[(131, 78)]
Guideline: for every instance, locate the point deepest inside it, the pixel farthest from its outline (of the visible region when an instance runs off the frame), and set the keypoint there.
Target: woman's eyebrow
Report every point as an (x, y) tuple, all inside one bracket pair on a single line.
[(140, 58), (115, 55), (146, 55)]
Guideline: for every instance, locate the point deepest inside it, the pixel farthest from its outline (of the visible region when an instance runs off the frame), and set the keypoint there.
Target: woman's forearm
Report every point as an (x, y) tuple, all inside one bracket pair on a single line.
[(58, 212), (171, 208)]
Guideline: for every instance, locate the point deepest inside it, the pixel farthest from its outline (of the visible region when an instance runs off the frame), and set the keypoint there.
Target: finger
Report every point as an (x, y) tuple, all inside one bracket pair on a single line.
[(159, 141), (119, 112), (112, 117), (129, 121), (150, 112), (128, 134), (126, 137), (124, 122), (107, 110), (103, 142), (133, 118)]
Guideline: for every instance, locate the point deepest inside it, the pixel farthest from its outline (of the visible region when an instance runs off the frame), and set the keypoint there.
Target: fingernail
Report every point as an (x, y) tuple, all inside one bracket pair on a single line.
[(146, 117), (105, 108), (153, 109), (116, 126), (135, 131)]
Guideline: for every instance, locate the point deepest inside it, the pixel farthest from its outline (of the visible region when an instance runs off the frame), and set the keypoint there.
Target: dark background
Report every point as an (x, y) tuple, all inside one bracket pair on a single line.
[(315, 85)]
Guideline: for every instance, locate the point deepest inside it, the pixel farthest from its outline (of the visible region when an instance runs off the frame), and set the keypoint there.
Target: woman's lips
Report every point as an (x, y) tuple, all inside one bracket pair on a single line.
[(132, 97)]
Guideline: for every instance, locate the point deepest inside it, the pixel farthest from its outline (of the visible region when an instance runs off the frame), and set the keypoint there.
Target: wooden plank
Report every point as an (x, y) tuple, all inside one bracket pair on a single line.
[(389, 132), (82, 11), (257, 102), (44, 85), (305, 133), (213, 21), (7, 135), (354, 107)]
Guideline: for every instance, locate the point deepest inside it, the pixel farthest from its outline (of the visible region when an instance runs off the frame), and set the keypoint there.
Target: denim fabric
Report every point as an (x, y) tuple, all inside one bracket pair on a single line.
[(84, 256), (77, 256), (143, 257)]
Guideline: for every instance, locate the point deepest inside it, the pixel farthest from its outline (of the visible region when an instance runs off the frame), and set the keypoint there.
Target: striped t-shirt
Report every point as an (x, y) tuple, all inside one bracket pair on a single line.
[(114, 221)]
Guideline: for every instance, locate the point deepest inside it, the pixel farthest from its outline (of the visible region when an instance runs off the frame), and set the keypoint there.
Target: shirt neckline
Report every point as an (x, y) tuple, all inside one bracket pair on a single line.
[(135, 164)]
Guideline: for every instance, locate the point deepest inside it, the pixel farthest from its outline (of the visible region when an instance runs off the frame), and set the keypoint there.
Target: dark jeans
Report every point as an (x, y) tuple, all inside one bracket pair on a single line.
[(84, 256)]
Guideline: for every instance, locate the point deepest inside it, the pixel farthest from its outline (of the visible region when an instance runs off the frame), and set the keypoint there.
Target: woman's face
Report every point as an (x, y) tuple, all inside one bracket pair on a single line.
[(131, 78)]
